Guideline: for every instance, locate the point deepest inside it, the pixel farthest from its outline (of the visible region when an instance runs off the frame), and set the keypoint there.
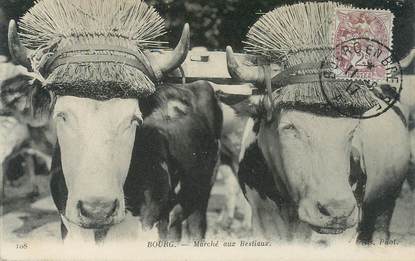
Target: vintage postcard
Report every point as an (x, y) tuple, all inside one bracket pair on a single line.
[(207, 130)]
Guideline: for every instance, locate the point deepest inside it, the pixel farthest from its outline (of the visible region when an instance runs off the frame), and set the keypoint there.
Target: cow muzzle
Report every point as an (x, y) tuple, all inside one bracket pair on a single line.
[(98, 212), (329, 217)]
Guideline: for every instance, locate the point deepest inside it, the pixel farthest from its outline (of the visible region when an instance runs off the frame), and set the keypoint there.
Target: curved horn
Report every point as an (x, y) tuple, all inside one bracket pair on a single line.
[(177, 56), (18, 52), (253, 74), (405, 62)]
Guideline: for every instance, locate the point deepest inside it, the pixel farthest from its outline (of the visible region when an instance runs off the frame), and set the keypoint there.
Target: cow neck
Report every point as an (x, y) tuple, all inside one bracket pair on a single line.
[(397, 109), (360, 191), (255, 173)]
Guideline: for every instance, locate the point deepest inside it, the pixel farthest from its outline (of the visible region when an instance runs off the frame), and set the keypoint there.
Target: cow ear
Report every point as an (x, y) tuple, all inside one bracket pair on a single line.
[(249, 107), (42, 102)]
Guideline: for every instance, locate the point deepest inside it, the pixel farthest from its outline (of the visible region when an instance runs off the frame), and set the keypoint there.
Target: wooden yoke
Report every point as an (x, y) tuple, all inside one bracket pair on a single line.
[(201, 64)]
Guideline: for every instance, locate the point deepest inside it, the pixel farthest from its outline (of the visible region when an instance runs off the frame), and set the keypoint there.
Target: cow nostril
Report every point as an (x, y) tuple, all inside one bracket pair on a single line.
[(97, 209), (323, 210)]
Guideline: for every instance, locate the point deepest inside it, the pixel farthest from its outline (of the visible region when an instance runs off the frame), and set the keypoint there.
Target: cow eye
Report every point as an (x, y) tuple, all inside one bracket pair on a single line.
[(137, 120), (288, 126), (61, 116)]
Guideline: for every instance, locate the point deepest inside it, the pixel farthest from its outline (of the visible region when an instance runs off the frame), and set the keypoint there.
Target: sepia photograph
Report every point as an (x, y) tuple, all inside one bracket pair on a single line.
[(207, 130)]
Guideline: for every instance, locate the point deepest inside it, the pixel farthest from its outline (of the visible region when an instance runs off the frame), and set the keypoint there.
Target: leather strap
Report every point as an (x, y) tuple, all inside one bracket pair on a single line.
[(101, 47), (301, 73), (97, 59), (141, 62)]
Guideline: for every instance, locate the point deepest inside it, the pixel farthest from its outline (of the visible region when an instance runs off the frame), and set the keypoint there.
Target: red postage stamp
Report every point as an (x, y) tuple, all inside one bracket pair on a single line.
[(361, 37)]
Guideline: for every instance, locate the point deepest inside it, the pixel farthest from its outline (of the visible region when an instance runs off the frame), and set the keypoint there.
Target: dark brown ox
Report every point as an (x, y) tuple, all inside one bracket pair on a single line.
[(300, 168)]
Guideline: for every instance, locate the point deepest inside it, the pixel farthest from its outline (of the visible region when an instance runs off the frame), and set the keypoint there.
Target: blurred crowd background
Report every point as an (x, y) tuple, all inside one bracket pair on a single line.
[(217, 23)]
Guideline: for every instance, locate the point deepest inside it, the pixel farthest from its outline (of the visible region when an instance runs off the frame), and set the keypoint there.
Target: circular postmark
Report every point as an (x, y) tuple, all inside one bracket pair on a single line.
[(364, 66)]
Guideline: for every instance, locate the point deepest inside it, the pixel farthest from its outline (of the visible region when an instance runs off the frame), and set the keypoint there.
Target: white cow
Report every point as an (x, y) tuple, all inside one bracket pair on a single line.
[(408, 99), (297, 171)]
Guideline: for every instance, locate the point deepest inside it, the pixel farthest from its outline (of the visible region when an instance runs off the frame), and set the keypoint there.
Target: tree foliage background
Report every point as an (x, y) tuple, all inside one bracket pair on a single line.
[(217, 23)]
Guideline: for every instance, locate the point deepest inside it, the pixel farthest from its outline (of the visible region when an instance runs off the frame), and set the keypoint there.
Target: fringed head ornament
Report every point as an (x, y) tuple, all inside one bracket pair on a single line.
[(96, 49), (299, 38)]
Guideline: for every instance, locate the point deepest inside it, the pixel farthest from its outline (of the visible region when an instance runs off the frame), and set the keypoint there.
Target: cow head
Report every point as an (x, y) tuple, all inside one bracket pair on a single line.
[(96, 140), (310, 153), (309, 156)]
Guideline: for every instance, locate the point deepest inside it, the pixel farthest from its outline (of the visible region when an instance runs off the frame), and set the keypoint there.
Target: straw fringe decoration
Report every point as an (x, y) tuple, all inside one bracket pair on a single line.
[(303, 34), (50, 21), (309, 96), (53, 25), (289, 30), (100, 81)]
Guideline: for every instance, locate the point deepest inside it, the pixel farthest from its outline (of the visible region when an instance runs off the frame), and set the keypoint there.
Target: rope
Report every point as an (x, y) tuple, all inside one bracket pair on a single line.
[(268, 85), (183, 75)]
